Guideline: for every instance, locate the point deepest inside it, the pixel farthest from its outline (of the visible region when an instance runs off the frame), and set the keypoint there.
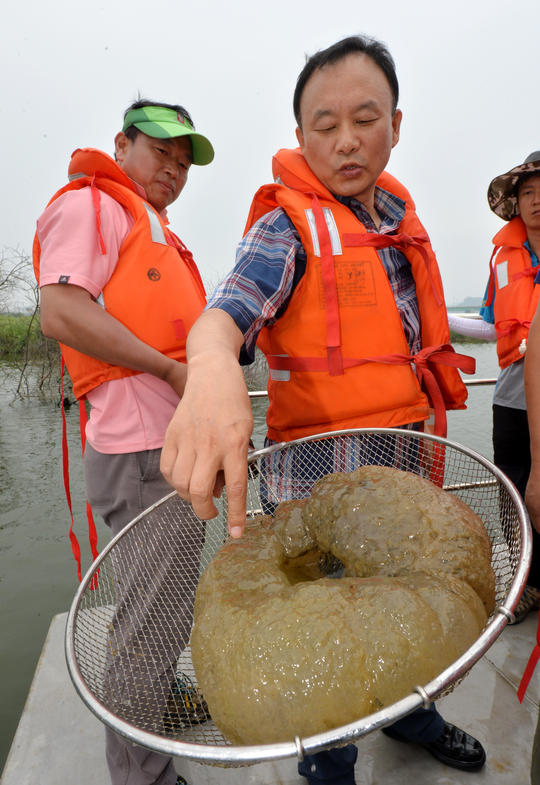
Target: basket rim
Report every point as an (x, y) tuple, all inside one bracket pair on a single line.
[(237, 755)]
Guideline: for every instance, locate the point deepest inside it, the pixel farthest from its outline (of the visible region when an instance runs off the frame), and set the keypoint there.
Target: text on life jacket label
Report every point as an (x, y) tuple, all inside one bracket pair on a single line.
[(355, 285)]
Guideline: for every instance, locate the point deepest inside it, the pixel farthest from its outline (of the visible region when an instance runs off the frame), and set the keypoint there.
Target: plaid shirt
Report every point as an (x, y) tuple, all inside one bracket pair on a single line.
[(290, 473), (270, 262)]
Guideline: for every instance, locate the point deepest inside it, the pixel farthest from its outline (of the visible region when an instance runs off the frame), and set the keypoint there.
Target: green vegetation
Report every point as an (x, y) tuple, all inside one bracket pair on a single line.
[(457, 338), (35, 359), (21, 338)]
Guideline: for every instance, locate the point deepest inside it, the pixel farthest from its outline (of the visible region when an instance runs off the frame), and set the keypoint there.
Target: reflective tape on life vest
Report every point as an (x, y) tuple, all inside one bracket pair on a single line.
[(337, 250), (156, 230)]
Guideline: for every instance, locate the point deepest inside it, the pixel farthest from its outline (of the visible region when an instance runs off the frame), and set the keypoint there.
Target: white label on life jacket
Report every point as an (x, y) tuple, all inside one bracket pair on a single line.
[(155, 227), (332, 229), (280, 375), (502, 274)]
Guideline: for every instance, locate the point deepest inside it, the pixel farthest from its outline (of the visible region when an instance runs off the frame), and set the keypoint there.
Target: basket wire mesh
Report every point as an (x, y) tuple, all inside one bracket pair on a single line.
[(128, 629)]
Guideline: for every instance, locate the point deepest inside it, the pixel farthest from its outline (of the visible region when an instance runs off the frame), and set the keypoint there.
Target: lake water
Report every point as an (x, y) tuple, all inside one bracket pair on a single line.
[(37, 571)]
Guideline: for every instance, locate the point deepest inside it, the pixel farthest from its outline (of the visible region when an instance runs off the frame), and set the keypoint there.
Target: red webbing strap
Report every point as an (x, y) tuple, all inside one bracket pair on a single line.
[(431, 355), (491, 283), (328, 272), (187, 256), (92, 533), (401, 241), (427, 380), (96, 201), (75, 547), (432, 454), (505, 326), (531, 665), (438, 455), (440, 355), (530, 272)]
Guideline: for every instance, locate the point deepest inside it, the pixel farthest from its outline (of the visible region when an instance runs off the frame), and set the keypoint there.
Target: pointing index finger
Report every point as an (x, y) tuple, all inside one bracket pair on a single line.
[(236, 473)]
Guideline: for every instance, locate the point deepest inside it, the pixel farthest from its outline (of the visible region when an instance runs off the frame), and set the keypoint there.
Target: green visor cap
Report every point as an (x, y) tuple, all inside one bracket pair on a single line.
[(163, 123)]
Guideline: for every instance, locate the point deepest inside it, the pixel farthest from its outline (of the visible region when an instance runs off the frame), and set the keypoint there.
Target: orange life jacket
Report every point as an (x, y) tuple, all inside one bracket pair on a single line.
[(511, 283), (338, 356), (155, 291)]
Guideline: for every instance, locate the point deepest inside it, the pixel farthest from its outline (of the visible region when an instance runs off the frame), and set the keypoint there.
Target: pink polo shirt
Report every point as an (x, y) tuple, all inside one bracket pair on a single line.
[(127, 415)]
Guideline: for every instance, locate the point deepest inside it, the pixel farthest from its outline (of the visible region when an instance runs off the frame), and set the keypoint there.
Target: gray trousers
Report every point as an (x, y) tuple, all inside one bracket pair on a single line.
[(120, 487)]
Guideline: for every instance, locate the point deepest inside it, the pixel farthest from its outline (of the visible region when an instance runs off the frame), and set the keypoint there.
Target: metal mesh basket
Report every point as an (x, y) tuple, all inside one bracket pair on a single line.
[(127, 636)]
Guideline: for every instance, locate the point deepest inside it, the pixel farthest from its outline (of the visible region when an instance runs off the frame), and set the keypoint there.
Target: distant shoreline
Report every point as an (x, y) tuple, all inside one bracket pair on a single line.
[(472, 309), (457, 338)]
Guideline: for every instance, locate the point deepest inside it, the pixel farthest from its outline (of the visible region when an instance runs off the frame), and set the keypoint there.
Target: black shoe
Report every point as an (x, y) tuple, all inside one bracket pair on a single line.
[(181, 781), (185, 707), (528, 602), (454, 747)]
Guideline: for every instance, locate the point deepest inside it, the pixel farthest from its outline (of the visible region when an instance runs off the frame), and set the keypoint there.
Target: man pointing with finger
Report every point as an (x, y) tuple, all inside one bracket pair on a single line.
[(337, 282)]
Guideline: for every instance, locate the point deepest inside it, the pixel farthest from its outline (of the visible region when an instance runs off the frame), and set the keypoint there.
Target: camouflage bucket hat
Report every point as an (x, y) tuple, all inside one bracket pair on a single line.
[(502, 196)]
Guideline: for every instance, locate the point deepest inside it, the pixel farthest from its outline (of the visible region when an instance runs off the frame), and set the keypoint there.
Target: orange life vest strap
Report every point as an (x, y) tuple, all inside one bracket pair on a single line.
[(171, 238), (531, 665), (491, 282), (505, 326), (401, 241), (75, 547), (328, 272), (92, 532), (187, 256), (430, 355), (96, 201), (530, 272)]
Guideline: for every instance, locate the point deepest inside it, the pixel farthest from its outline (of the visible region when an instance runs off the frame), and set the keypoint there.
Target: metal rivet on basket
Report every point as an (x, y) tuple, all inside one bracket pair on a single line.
[(299, 748), (426, 700), (506, 613)]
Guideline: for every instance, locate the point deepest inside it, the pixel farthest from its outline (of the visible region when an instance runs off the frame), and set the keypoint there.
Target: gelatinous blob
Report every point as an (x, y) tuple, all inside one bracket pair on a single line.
[(281, 650)]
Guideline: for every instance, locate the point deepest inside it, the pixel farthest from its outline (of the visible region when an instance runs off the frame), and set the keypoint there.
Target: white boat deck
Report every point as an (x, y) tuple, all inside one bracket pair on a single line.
[(59, 742)]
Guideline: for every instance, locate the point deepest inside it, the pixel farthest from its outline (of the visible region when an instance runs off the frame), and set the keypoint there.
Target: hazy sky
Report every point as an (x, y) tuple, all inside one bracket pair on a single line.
[(469, 79)]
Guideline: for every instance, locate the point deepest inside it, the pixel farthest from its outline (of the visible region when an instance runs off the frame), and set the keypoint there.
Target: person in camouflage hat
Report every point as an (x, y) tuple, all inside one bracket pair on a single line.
[(511, 299), (502, 192)]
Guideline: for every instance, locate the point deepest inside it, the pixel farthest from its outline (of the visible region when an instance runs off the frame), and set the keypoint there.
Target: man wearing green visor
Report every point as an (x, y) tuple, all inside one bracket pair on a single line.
[(120, 292)]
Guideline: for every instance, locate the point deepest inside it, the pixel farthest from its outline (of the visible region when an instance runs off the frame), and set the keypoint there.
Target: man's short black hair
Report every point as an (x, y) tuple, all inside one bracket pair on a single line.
[(362, 44), (132, 132)]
